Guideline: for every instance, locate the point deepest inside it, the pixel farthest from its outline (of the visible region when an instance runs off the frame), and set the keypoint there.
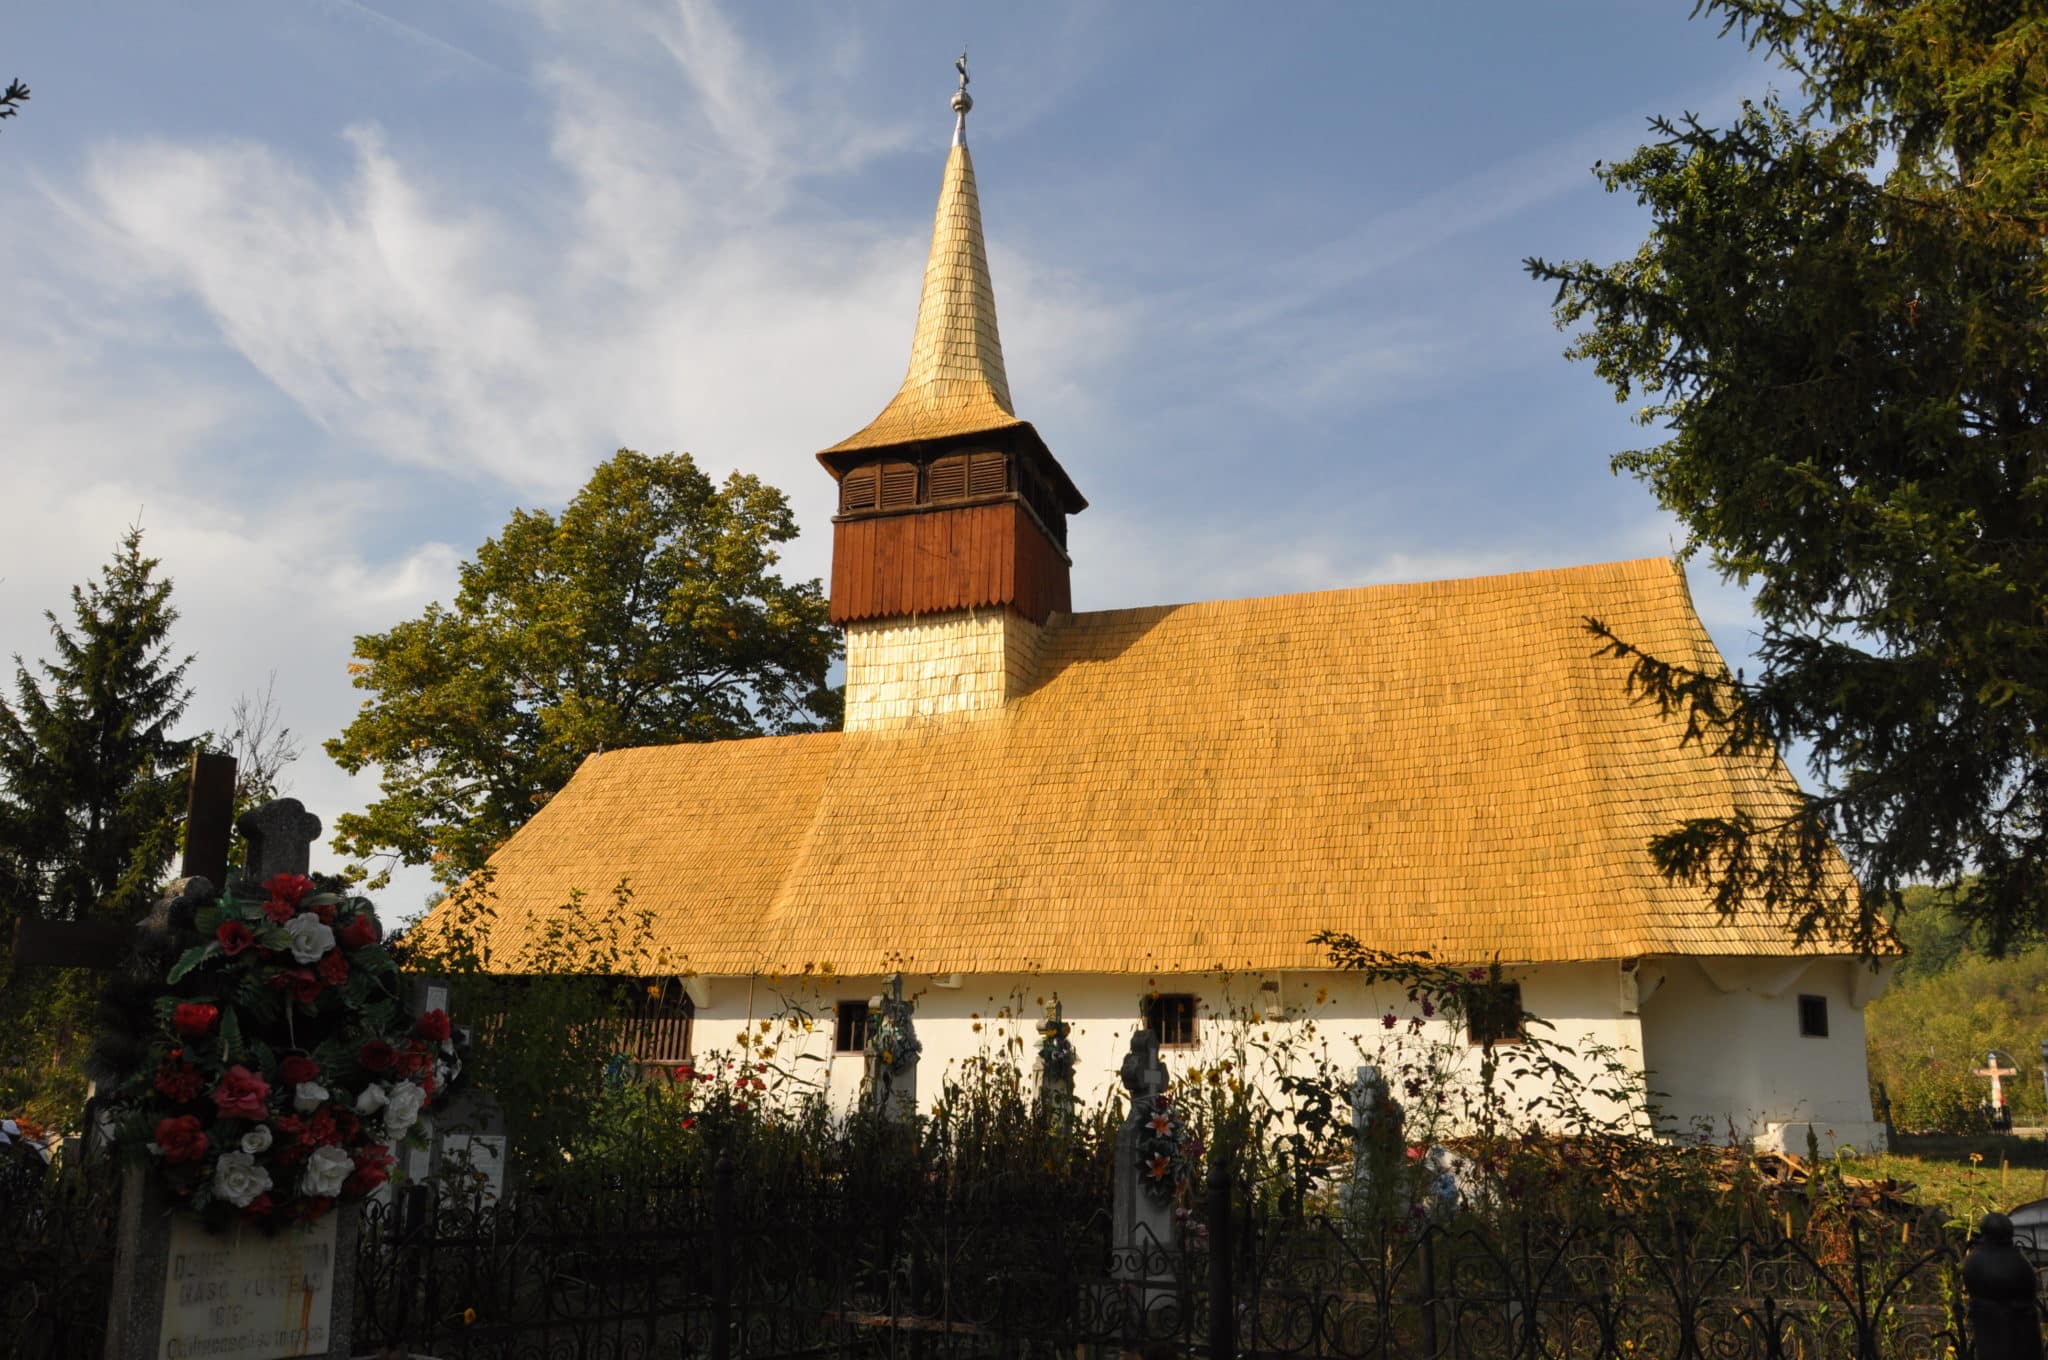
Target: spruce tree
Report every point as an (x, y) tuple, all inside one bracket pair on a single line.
[(91, 787), (91, 778)]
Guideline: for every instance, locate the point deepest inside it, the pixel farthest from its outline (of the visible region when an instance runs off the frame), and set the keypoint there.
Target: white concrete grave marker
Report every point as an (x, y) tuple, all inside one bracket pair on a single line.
[(248, 1295)]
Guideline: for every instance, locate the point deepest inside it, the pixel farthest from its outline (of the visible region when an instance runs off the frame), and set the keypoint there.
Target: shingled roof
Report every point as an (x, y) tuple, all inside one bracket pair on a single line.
[(1443, 766)]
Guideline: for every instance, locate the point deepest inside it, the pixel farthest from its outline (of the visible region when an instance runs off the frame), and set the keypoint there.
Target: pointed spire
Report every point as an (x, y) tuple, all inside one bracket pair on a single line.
[(956, 383)]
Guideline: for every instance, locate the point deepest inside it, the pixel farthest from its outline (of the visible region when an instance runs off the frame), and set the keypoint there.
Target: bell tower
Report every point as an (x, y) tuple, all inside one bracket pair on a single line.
[(949, 550)]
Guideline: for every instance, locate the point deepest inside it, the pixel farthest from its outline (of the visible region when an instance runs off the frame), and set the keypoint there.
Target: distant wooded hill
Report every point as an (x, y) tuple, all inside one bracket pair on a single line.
[(1947, 1008)]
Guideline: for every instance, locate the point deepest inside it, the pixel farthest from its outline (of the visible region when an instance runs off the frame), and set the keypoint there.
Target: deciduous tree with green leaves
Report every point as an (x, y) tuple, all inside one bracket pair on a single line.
[(1839, 326), (648, 611)]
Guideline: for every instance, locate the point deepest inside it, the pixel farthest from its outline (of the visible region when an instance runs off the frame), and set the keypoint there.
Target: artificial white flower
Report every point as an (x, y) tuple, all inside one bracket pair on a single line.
[(402, 1108), (309, 1096), (325, 1170), (237, 1179), (311, 937), (371, 1100), (256, 1140)]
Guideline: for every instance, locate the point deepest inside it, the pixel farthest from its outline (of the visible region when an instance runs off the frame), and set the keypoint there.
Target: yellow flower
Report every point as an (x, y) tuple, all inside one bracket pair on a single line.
[(469, 1317), (654, 991)]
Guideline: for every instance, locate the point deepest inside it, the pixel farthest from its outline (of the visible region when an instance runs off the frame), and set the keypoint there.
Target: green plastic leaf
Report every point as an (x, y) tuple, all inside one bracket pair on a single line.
[(191, 959)]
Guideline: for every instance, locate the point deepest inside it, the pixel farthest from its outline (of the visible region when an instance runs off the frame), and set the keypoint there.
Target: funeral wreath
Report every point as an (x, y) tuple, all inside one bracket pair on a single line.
[(281, 1069)]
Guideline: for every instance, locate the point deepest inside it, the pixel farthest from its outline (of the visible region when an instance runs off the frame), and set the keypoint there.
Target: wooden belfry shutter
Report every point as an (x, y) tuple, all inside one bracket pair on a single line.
[(859, 490), (947, 480), (987, 475), (899, 486)]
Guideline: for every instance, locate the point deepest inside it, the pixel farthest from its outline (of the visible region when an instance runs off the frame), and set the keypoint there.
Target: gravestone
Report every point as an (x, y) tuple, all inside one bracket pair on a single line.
[(1056, 1060), (1378, 1152), (180, 1292), (1142, 1239), (1996, 1109), (280, 836), (892, 1049)]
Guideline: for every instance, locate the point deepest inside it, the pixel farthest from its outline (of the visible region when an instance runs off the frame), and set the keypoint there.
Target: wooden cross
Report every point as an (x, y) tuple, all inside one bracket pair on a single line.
[(1992, 1070), (209, 821)]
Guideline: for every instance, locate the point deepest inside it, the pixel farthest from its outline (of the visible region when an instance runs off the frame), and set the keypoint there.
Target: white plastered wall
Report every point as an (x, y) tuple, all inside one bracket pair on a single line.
[(1722, 1040), (899, 671), (1331, 1018)]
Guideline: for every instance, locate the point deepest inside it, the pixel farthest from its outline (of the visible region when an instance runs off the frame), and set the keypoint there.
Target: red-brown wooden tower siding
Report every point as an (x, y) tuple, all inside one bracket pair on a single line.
[(930, 561)]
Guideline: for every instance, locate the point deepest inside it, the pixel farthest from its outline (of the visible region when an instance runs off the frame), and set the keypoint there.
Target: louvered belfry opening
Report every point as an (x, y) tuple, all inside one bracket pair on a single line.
[(962, 523)]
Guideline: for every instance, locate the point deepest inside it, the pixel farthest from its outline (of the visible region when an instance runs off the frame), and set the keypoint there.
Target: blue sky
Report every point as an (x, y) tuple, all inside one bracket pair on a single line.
[(320, 290)]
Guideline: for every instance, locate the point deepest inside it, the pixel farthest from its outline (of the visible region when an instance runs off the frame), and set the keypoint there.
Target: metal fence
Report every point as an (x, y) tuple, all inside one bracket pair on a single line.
[(729, 1269), (1019, 1266)]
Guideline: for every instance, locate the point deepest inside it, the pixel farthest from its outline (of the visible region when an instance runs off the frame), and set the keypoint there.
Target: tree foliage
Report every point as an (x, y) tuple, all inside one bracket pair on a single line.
[(91, 792), (1837, 325), (648, 612), (91, 779)]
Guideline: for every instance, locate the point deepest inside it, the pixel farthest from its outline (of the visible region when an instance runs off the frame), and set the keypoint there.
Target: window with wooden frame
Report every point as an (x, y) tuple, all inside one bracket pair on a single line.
[(1171, 1016), (1493, 1013), (1813, 1017), (850, 1027)]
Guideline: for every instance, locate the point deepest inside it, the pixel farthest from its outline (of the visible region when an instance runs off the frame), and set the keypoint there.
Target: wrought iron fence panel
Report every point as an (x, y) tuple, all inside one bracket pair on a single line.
[(56, 1261)]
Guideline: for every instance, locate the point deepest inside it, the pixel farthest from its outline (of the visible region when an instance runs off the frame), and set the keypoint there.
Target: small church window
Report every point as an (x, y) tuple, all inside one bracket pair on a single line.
[(850, 1034), (1171, 1016), (1813, 1016), (1493, 1013)]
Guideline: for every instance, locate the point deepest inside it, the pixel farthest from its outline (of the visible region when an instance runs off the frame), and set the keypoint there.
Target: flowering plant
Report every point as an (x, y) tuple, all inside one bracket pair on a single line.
[(1164, 1147), (282, 1069)]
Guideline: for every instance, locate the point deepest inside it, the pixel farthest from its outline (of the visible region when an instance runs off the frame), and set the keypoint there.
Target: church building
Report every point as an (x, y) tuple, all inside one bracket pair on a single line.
[(1148, 813)]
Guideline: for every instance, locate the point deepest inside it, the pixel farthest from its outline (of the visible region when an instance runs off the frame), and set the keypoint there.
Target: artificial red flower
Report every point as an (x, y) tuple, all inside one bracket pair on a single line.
[(279, 910), (194, 1019), (373, 1168), (689, 1121), (181, 1139), (288, 888), (297, 1068), (320, 1130), (376, 1056), (259, 1208), (432, 1025), (300, 982), (361, 930), (234, 937), (240, 1094), (684, 1073), (180, 1082), (347, 1125), (413, 1060), (325, 911), (333, 968)]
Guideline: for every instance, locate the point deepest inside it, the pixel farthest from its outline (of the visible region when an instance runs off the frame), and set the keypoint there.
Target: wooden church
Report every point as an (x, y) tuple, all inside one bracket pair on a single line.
[(1148, 812)]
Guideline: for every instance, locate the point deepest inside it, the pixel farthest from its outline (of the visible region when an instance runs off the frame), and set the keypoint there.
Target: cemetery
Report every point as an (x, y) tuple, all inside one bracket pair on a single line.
[(1314, 975)]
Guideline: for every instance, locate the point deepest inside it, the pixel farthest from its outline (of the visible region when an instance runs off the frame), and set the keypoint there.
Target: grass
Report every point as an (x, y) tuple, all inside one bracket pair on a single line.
[(2008, 1172)]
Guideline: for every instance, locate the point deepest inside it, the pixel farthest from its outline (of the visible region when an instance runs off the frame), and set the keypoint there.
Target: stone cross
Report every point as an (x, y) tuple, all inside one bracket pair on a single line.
[(1143, 1238), (1378, 1148), (1993, 1070), (1143, 1074), (892, 1051), (280, 835), (1056, 1064)]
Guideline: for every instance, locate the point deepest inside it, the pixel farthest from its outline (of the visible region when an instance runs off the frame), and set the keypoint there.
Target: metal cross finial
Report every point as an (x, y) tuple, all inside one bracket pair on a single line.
[(962, 101)]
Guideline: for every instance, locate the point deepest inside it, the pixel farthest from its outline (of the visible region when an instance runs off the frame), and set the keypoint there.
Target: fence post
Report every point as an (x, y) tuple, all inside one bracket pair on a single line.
[(722, 1228), (2005, 1317), (1222, 1294)]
